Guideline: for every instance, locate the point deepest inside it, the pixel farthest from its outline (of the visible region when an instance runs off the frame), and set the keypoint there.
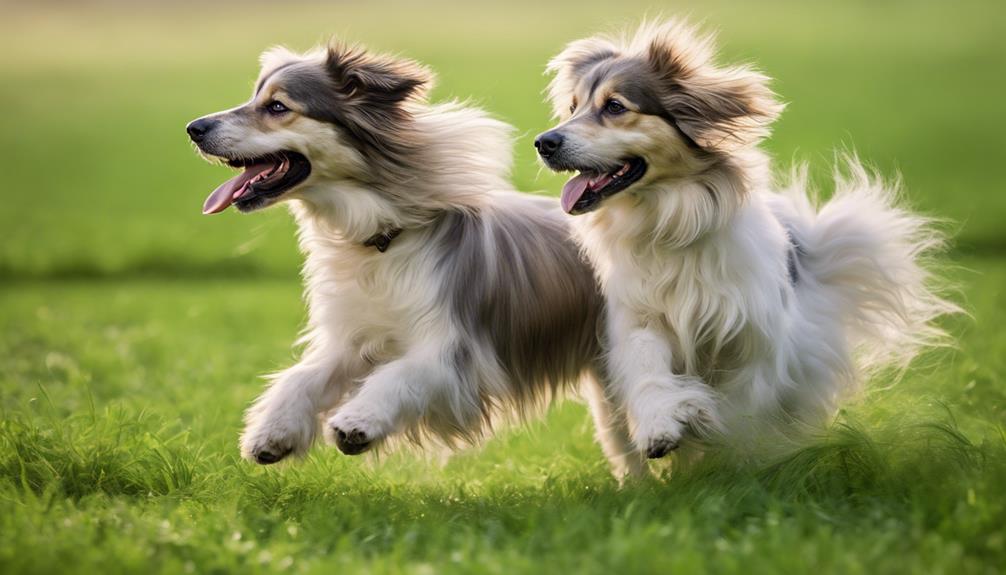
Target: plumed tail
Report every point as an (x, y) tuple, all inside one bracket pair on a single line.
[(873, 258)]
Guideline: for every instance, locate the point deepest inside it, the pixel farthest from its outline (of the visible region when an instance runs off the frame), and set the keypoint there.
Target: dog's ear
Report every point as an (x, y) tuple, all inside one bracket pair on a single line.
[(719, 108), (570, 65), (276, 57), (375, 80)]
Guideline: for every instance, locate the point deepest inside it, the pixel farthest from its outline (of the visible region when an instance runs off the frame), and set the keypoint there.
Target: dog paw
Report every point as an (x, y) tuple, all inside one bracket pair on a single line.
[(659, 436), (664, 425), (269, 455), (353, 434), (269, 440), (661, 446)]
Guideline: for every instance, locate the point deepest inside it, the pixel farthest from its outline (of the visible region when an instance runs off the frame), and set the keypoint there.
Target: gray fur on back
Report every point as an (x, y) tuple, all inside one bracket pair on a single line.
[(516, 282)]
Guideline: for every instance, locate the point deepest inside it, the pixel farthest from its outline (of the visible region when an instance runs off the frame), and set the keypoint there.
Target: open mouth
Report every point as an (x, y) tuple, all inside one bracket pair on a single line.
[(262, 181), (585, 191)]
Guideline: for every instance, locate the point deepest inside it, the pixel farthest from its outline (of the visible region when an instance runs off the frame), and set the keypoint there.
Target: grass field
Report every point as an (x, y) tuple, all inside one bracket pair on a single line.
[(133, 329)]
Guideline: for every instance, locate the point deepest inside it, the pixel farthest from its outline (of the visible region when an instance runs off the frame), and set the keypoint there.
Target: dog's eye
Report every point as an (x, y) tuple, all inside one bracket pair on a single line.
[(276, 108), (572, 108), (614, 107)]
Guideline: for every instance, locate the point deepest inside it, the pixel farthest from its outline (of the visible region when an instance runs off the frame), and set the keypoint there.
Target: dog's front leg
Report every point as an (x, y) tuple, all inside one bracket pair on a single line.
[(662, 406), (394, 398), (284, 419), (611, 428)]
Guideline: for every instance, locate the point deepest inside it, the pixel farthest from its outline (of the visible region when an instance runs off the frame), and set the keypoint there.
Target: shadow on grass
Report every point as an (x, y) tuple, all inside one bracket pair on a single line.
[(181, 265), (162, 265)]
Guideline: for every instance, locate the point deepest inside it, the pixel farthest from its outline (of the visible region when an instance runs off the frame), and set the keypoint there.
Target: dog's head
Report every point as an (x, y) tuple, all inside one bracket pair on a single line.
[(646, 110), (327, 115)]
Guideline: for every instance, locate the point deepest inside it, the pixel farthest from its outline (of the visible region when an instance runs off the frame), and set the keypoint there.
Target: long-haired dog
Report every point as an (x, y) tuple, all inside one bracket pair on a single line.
[(733, 309), (439, 299)]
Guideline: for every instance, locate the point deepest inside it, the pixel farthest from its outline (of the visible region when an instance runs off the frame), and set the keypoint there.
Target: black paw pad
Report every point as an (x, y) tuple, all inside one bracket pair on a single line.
[(660, 447), (266, 457), (352, 442)]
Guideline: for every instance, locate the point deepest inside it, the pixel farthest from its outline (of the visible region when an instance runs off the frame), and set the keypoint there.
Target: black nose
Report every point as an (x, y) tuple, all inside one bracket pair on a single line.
[(198, 129), (548, 143)]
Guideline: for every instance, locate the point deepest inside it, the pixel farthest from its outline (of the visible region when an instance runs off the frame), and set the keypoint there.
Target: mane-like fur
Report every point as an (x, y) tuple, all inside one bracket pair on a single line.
[(461, 157), (735, 311), (480, 309)]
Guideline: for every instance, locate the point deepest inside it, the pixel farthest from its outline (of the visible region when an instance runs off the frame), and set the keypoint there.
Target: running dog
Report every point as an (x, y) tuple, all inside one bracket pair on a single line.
[(733, 308), (440, 300)]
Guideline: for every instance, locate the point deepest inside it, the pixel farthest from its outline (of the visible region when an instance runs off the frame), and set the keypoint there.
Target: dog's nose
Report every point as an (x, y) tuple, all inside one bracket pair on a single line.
[(548, 143), (198, 129)]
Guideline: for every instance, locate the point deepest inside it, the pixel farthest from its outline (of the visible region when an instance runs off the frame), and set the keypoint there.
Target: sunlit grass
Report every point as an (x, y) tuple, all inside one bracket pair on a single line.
[(133, 330), (118, 452)]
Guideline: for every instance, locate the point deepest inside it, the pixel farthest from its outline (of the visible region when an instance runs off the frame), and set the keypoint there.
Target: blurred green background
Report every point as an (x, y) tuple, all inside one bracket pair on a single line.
[(101, 179), (133, 329)]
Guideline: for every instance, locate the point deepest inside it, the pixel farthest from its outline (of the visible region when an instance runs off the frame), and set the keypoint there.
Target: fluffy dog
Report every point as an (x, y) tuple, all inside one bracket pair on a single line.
[(733, 309), (439, 299)]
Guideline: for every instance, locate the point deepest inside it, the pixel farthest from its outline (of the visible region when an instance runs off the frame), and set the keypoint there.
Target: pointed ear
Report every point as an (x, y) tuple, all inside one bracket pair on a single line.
[(570, 65), (721, 109), (376, 80)]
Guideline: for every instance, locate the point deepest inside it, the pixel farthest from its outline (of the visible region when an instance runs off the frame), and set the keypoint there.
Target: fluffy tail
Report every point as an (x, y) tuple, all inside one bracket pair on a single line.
[(873, 258)]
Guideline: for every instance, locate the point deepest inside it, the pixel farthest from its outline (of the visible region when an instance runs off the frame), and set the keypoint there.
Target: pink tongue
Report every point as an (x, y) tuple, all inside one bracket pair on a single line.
[(573, 191), (227, 192)]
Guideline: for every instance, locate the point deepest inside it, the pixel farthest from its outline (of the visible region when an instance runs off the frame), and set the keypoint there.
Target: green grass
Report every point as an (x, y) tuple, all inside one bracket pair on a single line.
[(117, 452), (133, 331)]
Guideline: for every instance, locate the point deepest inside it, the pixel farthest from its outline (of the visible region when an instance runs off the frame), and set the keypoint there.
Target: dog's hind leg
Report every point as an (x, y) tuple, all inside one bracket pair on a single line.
[(284, 419), (612, 428)]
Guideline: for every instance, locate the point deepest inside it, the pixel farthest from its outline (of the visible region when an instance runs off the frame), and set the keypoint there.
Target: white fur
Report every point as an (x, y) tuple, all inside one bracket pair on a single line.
[(437, 336), (375, 320), (710, 337), (713, 333)]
